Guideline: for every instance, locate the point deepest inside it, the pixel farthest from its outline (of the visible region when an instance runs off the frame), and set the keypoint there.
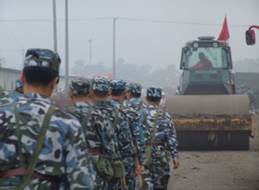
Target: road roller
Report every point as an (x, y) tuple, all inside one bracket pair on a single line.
[(207, 112)]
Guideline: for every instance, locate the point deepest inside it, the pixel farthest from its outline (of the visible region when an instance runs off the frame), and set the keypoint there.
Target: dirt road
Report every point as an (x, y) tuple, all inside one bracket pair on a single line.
[(218, 170)]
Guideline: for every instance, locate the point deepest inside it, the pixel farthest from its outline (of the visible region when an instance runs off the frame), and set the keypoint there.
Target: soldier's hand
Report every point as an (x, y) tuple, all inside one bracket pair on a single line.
[(176, 163), (139, 169)]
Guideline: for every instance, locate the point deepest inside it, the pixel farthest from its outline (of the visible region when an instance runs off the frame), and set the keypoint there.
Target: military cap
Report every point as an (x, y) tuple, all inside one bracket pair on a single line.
[(118, 85), (101, 84), (42, 58), (80, 87), (134, 88), (153, 92)]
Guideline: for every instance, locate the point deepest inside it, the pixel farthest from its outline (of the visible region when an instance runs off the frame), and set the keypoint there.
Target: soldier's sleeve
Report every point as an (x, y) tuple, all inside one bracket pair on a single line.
[(138, 135), (79, 171), (172, 142)]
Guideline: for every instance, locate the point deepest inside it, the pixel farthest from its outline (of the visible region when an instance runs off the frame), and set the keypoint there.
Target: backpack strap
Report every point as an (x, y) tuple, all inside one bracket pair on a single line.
[(40, 141), (154, 129)]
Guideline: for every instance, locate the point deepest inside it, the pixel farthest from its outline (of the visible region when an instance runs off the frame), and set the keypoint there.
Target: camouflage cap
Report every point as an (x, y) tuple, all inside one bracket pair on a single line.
[(134, 88), (118, 85), (80, 87), (153, 92), (101, 84), (42, 58)]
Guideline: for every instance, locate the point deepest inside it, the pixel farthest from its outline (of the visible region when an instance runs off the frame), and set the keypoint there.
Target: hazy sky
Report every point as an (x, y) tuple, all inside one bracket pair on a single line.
[(138, 41)]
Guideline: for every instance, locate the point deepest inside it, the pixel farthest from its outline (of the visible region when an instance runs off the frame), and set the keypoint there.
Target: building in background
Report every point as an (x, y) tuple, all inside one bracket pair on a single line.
[(9, 76)]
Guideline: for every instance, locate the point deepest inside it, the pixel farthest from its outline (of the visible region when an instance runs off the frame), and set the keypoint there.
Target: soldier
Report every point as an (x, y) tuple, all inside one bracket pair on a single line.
[(134, 101), (161, 143), (102, 130), (80, 91), (41, 146), (133, 96), (129, 135)]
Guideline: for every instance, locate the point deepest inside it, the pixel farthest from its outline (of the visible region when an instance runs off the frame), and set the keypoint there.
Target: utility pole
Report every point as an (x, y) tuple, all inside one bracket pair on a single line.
[(90, 50), (55, 42), (114, 49), (66, 47)]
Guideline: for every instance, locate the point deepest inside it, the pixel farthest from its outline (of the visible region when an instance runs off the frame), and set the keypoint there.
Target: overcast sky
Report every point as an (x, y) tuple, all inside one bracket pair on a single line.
[(27, 23)]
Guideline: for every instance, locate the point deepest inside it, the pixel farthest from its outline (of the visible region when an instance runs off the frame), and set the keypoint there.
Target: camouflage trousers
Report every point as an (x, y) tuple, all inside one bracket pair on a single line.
[(114, 184), (156, 175), (101, 182), (117, 184), (129, 163)]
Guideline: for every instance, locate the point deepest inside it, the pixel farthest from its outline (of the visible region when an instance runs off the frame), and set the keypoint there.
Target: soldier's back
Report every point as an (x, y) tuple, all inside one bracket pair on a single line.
[(63, 154)]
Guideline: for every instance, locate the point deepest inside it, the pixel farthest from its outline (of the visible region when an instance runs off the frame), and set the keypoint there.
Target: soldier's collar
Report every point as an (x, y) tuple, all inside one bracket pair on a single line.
[(152, 106), (36, 95), (81, 104)]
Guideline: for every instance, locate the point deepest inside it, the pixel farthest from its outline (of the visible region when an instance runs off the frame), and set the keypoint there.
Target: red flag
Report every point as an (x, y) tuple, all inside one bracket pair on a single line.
[(224, 34)]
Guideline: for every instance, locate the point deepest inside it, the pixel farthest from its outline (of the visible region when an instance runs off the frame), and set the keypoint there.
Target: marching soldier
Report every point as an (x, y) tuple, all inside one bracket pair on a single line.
[(134, 101), (133, 96), (103, 144), (161, 143), (42, 147), (80, 91), (129, 135)]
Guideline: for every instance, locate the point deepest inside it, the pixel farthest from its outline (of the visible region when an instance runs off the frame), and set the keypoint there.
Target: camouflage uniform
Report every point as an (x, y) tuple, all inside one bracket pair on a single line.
[(63, 154), (160, 134), (136, 104), (127, 135), (101, 133)]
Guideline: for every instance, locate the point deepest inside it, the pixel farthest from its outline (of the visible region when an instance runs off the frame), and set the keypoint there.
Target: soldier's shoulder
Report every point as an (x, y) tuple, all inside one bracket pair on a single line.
[(130, 111), (65, 120)]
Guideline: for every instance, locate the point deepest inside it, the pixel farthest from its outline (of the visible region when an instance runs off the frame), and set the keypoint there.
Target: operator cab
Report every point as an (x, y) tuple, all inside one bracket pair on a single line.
[(206, 53), (206, 65)]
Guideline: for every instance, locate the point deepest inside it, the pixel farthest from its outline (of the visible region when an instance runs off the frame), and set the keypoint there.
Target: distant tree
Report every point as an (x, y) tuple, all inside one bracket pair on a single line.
[(165, 77)]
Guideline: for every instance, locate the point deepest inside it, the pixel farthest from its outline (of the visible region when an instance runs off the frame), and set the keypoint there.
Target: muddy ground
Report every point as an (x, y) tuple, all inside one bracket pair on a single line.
[(218, 170)]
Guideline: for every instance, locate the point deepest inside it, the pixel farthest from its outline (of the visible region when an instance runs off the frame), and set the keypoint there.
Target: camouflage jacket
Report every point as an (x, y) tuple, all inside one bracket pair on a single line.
[(126, 129), (164, 135), (64, 149)]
